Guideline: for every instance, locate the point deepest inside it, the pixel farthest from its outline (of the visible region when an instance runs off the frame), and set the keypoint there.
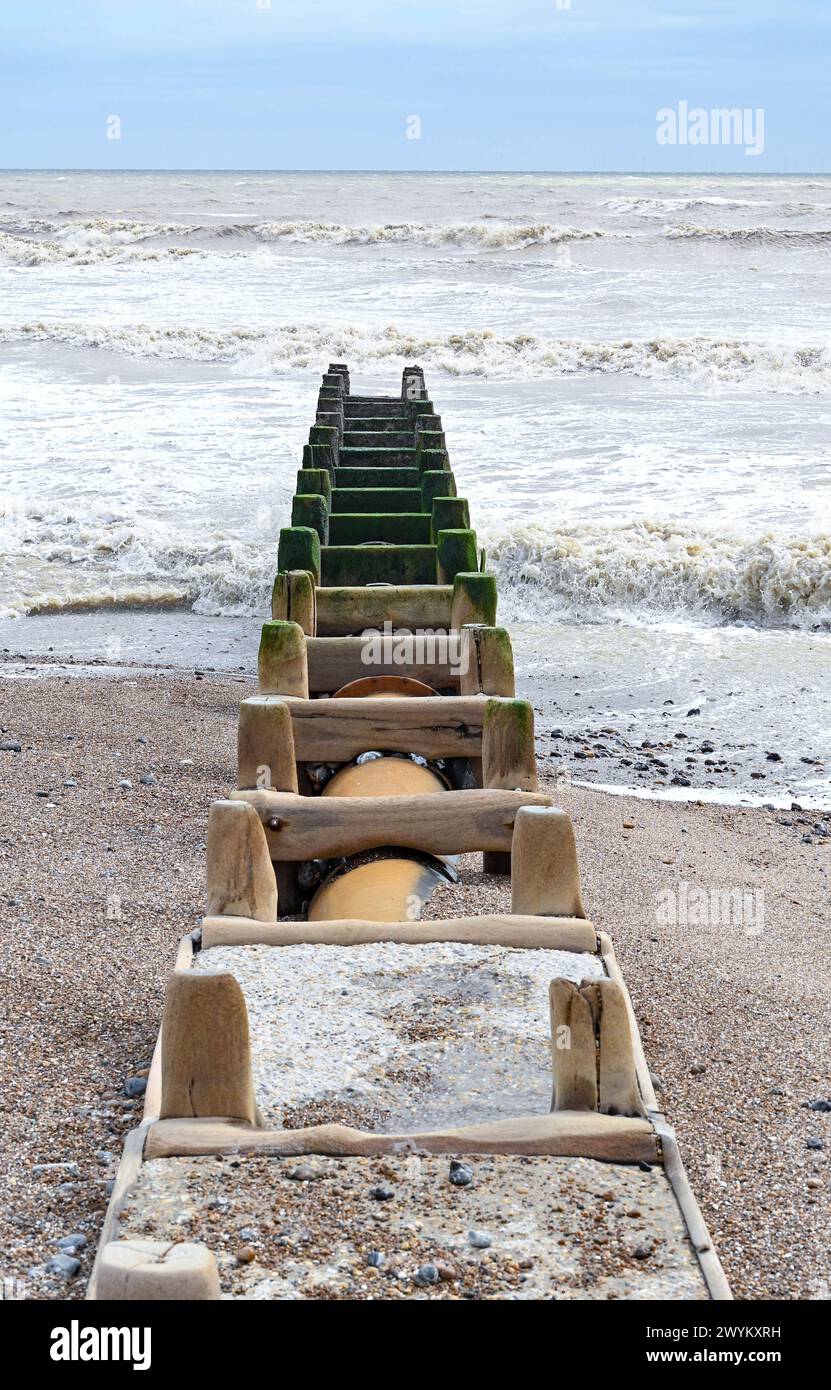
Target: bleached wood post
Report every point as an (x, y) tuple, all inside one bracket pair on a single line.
[(487, 662), (206, 1050), (508, 758), (573, 1048), (545, 879), (241, 881), (265, 746), (154, 1270)]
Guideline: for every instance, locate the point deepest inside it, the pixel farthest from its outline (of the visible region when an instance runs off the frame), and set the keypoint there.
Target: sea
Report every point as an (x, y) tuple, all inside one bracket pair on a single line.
[(634, 374)]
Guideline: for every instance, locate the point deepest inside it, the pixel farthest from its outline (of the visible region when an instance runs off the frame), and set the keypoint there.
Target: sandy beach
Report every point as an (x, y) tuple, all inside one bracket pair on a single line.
[(104, 814)]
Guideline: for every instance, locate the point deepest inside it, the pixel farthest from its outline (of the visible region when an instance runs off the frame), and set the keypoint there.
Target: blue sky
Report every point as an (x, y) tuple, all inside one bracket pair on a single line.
[(329, 84)]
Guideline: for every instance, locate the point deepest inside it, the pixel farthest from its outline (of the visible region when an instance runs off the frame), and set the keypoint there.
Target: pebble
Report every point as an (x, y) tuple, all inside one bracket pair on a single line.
[(480, 1240), (65, 1265), (70, 1245), (304, 1173), (147, 779), (70, 782), (814, 1144), (694, 710), (461, 1174), (428, 1274), (125, 784), (697, 1069), (245, 1255), (822, 1107), (135, 1086), (381, 1193), (10, 745), (375, 1258)]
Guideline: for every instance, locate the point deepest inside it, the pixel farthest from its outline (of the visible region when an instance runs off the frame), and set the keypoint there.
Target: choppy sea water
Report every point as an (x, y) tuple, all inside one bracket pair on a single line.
[(634, 374)]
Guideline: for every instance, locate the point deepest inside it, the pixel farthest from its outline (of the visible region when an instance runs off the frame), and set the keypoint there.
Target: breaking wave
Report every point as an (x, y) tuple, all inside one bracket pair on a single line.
[(804, 369), (753, 236), (646, 572), (650, 571), (38, 241)]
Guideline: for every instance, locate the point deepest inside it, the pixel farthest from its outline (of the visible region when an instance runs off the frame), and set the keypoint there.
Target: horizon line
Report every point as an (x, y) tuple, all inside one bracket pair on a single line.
[(243, 169)]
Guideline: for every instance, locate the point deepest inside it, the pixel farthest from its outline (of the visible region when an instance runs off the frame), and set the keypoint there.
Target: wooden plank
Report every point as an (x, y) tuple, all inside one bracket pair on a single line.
[(334, 661), (523, 933), (326, 827), (347, 609), (337, 730), (573, 1134)]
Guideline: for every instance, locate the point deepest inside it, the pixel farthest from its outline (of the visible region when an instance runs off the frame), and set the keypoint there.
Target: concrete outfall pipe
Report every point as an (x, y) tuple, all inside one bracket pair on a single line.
[(388, 884)]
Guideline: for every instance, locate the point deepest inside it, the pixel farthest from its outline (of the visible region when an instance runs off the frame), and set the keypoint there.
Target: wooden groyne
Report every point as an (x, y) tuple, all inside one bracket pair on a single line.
[(317, 1014)]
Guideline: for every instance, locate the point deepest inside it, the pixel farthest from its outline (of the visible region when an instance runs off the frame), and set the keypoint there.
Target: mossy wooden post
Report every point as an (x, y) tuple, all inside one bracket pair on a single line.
[(430, 424), (455, 554), (206, 1049), (508, 758), (265, 746), (449, 514), (325, 446), (439, 484), (432, 461), (487, 662), (432, 443), (310, 480), (335, 418), (241, 880), (343, 372), (294, 600), (473, 601), (282, 663), (320, 456), (545, 880), (299, 549), (310, 509)]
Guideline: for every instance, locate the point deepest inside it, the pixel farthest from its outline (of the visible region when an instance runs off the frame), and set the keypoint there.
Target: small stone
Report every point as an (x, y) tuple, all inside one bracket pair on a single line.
[(381, 1193), (557, 733), (135, 1086), (814, 1144), (679, 780), (707, 747), (697, 1069), (147, 779), (644, 1166), (822, 1107), (375, 1258), (480, 1240), (304, 1172), (70, 1245), (694, 710), (65, 1265), (70, 782), (629, 825), (461, 1174), (446, 1271), (10, 745), (774, 757), (641, 1252), (125, 784), (245, 1255), (141, 739), (428, 1274)]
